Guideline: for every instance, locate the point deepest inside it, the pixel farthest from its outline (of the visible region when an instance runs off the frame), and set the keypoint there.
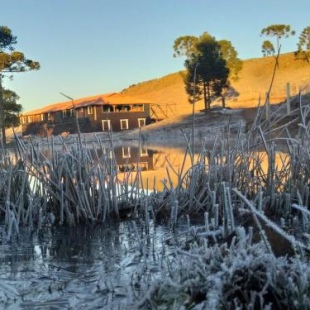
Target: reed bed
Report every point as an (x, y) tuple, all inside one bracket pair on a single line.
[(243, 209), (252, 251), (78, 183)]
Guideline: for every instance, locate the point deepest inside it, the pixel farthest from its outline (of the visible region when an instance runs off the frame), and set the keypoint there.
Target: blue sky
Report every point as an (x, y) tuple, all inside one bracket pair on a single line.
[(89, 47)]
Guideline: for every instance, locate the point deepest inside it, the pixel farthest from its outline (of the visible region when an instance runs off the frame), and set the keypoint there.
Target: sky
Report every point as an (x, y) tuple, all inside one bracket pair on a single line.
[(90, 47)]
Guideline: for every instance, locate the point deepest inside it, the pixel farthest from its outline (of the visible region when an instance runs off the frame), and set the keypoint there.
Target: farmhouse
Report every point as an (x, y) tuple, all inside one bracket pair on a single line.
[(112, 111)]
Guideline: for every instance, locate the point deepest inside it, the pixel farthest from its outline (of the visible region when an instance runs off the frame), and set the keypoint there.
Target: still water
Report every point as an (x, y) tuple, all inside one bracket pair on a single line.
[(99, 267), (157, 165), (163, 166)]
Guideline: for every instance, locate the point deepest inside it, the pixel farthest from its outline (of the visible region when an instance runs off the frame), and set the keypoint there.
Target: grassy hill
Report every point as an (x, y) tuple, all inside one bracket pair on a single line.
[(254, 81)]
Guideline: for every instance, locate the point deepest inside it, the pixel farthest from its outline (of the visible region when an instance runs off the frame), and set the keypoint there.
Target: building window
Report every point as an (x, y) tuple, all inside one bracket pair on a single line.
[(144, 166), (106, 125), (90, 110), (29, 119), (141, 122), (137, 108), (67, 113), (44, 117), (126, 152), (107, 108), (124, 124), (143, 152), (108, 153), (123, 108)]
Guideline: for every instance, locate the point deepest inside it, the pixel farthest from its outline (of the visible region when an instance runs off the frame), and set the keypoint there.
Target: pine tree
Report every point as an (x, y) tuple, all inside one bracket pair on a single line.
[(11, 61)]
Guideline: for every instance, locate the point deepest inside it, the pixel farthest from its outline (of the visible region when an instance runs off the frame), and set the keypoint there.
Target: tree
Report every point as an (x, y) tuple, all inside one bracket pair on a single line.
[(229, 53), (184, 46), (11, 108), (11, 61), (268, 48), (279, 31), (211, 69), (209, 64), (304, 44)]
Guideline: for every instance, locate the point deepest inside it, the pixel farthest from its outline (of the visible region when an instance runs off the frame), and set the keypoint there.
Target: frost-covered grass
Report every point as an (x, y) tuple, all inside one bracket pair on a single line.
[(231, 263), (78, 183), (241, 275), (67, 185), (247, 215)]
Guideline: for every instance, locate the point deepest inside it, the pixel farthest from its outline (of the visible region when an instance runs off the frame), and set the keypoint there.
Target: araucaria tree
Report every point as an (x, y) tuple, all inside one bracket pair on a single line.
[(208, 65), (11, 61), (304, 44), (267, 48), (279, 31)]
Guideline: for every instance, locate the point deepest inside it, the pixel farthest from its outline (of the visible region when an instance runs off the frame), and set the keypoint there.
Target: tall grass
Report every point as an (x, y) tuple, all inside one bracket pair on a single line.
[(70, 184), (243, 209)]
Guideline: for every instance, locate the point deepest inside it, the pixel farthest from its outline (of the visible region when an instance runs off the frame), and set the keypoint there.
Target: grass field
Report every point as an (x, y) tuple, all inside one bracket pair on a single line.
[(254, 81)]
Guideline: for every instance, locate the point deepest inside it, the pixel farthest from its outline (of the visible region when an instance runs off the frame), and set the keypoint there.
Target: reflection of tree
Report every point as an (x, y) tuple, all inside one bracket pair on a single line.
[(84, 243), (162, 158)]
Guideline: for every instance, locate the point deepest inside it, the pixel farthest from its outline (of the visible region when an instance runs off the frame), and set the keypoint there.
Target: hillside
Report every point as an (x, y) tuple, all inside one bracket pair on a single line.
[(254, 81)]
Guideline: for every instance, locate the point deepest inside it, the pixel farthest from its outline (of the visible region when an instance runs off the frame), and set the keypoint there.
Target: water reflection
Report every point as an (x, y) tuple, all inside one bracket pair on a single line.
[(153, 167), (167, 165), (85, 267), (93, 267), (154, 163)]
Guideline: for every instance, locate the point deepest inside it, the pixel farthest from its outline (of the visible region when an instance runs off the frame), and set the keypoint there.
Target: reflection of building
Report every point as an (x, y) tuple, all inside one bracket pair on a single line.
[(130, 158), (97, 113)]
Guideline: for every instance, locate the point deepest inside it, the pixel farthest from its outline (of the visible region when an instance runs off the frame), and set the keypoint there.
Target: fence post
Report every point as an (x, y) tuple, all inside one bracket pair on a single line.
[(288, 98), (267, 106)]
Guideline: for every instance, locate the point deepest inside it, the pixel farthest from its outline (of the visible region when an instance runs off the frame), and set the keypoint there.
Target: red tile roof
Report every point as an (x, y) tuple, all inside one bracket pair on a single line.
[(109, 98)]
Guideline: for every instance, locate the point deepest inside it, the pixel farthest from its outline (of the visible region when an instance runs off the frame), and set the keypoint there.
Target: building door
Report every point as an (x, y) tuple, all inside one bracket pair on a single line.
[(106, 125)]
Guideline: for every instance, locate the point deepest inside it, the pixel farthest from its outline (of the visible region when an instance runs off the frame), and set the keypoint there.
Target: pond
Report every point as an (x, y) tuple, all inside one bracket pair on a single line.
[(82, 268), (100, 266), (163, 166)]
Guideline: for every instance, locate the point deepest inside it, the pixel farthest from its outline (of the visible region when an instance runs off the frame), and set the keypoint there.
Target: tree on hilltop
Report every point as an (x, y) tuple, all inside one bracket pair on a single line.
[(304, 44), (11, 61), (185, 46), (279, 31), (268, 48), (209, 63), (230, 54)]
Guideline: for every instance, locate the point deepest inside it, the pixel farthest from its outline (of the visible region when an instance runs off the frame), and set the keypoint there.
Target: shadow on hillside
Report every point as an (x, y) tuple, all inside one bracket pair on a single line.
[(230, 94), (217, 116)]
